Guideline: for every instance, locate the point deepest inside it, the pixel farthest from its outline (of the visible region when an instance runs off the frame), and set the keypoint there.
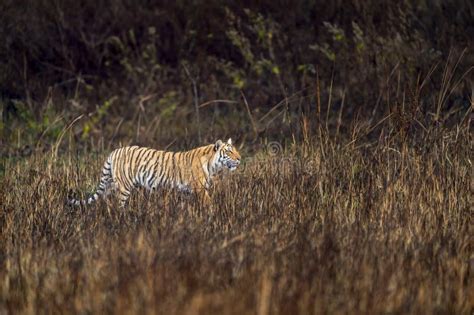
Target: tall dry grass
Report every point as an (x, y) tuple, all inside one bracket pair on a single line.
[(324, 226)]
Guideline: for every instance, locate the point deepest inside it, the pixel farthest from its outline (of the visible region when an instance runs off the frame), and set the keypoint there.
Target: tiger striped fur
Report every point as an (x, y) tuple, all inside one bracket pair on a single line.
[(134, 166)]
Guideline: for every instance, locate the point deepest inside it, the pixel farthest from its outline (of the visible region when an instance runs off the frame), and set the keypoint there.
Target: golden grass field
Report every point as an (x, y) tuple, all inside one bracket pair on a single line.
[(354, 120), (319, 227)]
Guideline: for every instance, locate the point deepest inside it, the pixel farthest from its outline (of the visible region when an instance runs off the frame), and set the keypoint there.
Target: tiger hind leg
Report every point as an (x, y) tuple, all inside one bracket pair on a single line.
[(123, 195)]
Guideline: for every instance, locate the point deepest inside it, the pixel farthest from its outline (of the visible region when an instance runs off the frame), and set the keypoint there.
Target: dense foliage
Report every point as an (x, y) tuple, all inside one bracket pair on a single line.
[(149, 62)]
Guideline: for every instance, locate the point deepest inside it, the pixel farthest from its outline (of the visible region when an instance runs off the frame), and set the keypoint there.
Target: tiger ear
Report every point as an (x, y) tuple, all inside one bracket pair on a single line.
[(218, 144), (229, 141)]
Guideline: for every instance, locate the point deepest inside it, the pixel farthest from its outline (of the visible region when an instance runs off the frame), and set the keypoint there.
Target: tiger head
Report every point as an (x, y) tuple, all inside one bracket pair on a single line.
[(226, 155)]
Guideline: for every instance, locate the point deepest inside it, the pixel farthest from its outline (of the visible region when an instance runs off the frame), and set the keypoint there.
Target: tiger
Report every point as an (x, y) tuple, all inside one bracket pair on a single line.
[(191, 171)]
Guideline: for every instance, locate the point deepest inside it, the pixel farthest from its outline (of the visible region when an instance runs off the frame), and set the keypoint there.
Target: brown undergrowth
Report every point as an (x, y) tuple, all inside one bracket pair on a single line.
[(321, 227)]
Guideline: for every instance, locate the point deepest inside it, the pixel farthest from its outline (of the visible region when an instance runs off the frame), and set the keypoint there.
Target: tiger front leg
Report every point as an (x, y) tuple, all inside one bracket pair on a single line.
[(206, 199), (203, 197)]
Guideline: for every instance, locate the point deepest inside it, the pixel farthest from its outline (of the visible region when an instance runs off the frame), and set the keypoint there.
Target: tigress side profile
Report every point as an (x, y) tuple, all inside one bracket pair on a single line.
[(130, 167)]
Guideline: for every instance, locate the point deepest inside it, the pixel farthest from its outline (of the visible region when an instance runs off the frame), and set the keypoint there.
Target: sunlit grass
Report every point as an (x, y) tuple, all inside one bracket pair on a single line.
[(372, 228)]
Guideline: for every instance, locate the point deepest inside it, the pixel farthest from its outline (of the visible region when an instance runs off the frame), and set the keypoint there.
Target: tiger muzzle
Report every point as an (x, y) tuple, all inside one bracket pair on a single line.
[(232, 164)]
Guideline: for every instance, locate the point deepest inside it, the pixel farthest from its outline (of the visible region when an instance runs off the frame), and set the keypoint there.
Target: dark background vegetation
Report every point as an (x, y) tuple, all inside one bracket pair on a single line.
[(354, 119), (140, 66)]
